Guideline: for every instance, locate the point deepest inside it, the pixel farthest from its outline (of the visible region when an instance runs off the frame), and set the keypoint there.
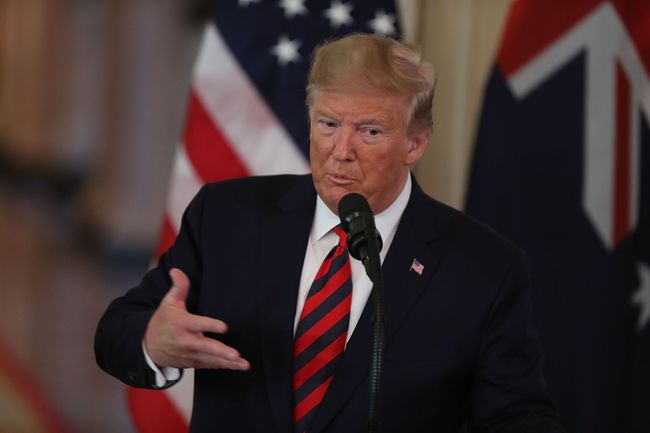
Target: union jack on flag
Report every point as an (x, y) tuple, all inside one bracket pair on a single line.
[(247, 116)]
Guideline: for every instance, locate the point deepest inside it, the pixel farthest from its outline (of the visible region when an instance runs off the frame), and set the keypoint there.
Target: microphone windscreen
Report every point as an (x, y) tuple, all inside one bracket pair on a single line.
[(364, 241), (351, 203)]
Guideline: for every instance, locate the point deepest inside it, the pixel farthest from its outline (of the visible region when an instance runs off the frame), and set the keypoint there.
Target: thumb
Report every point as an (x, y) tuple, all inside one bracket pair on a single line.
[(180, 287)]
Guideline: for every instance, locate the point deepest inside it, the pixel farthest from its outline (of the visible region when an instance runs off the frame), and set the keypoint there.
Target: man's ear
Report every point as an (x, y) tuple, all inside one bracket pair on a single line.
[(418, 139)]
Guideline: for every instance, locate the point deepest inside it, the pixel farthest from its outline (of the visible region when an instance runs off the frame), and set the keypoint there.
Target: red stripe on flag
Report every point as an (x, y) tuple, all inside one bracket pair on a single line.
[(311, 400), (153, 412), (322, 326), (207, 148), (533, 25), (21, 382), (622, 158), (167, 236)]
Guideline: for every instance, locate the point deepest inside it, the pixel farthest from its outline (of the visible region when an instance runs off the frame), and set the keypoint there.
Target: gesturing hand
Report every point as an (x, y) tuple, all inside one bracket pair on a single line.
[(174, 337)]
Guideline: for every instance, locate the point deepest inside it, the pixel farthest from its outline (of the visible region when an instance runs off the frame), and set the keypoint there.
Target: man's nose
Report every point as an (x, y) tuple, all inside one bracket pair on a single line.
[(344, 145)]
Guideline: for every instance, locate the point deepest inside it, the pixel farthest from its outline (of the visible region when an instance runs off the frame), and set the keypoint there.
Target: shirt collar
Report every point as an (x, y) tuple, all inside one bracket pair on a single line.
[(385, 221)]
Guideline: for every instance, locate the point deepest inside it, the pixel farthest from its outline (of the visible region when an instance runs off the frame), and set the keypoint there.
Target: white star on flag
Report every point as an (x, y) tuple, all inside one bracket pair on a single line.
[(286, 50), (339, 14), (641, 297), (383, 23), (293, 7)]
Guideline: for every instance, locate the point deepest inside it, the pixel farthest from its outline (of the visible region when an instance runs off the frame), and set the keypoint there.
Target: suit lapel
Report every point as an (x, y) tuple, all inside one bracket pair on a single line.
[(416, 238), (284, 234)]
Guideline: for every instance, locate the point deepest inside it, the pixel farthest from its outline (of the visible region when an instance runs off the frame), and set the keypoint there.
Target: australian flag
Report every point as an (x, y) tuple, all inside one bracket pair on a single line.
[(562, 167)]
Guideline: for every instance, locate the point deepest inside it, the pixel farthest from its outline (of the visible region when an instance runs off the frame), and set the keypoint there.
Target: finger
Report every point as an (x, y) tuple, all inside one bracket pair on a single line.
[(198, 323), (180, 287), (203, 352), (202, 360), (211, 347), (239, 364)]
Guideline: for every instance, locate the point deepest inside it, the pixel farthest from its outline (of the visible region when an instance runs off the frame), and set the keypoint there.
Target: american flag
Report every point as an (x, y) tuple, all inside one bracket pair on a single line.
[(417, 266), (246, 116)]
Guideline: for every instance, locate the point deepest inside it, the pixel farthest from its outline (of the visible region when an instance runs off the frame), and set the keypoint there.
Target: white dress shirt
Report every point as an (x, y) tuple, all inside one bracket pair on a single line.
[(321, 241)]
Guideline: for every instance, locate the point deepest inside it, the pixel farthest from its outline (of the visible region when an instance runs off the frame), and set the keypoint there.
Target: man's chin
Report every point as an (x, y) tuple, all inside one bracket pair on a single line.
[(332, 198), (331, 193)]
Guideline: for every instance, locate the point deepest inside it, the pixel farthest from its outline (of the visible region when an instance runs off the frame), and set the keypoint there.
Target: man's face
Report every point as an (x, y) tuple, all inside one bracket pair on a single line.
[(360, 143)]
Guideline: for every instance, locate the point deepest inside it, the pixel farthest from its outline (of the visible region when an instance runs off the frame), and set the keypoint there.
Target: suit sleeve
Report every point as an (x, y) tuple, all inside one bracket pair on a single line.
[(509, 391), (121, 329)]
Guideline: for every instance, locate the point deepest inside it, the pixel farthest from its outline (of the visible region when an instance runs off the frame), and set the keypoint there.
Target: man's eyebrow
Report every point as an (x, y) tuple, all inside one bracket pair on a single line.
[(371, 120), (324, 113), (362, 121)]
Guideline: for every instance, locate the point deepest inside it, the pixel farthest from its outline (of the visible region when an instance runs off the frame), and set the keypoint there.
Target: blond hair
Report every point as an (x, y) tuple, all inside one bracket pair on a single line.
[(362, 62)]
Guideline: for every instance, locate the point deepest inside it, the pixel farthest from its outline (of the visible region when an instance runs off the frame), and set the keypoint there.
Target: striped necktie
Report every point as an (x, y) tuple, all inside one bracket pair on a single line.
[(321, 332)]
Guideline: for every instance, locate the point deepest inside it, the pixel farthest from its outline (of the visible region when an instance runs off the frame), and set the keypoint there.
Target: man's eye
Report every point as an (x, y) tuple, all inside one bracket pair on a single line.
[(373, 132)]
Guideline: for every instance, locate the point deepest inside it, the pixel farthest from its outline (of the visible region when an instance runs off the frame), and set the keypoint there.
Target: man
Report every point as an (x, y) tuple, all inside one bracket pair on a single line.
[(276, 353)]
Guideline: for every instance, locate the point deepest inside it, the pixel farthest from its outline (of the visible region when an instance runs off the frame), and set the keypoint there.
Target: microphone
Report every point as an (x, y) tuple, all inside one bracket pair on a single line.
[(364, 240), (364, 243)]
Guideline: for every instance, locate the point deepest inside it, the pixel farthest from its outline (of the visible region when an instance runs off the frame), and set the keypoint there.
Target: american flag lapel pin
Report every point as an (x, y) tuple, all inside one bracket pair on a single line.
[(417, 266)]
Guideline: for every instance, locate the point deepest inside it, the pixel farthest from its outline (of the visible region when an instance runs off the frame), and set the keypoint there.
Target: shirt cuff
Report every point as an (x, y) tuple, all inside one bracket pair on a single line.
[(163, 375)]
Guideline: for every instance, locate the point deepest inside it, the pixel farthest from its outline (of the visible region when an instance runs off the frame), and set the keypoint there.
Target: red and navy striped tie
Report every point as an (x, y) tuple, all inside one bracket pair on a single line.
[(321, 333)]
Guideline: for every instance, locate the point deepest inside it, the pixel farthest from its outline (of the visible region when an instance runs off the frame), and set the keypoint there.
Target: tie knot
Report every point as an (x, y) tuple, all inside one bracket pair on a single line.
[(343, 236)]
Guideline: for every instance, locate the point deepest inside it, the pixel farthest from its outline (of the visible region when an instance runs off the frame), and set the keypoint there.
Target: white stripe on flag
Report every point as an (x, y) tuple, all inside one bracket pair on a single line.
[(184, 184), (233, 103)]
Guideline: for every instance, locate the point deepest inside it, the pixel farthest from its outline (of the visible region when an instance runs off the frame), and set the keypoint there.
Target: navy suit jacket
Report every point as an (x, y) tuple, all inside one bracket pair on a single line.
[(460, 343)]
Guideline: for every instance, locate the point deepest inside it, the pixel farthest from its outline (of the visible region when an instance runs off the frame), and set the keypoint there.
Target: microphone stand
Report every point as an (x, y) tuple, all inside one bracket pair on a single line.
[(373, 269)]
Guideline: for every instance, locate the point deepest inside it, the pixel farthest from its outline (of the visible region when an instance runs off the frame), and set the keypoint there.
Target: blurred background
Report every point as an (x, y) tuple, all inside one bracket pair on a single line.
[(93, 98)]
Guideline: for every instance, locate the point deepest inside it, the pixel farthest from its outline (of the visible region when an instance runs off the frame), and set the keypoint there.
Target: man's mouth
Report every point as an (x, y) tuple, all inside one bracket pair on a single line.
[(339, 179)]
